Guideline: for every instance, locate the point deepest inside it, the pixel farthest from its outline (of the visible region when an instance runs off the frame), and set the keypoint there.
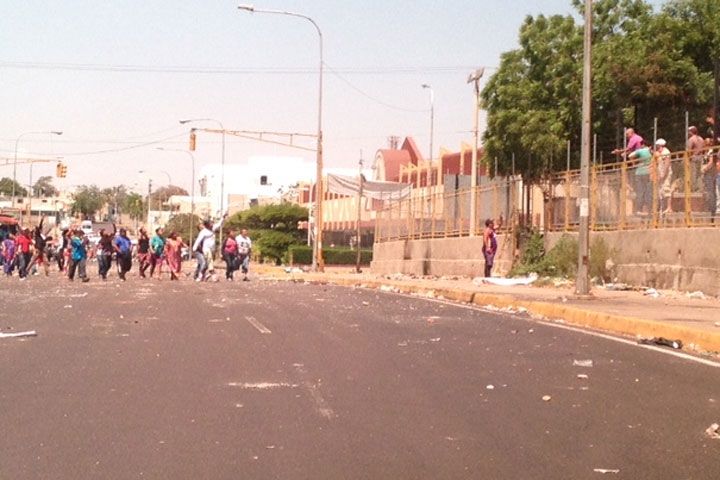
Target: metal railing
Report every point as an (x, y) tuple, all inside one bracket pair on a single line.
[(661, 192)]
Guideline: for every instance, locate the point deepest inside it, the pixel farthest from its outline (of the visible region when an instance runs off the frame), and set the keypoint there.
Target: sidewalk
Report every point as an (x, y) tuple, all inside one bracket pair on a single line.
[(673, 315)]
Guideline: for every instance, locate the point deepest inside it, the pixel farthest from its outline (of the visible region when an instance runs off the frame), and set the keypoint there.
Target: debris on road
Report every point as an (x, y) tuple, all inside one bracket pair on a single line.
[(583, 363), (606, 470), (366, 303), (661, 341), (713, 431), (697, 294), (30, 333), (582, 376), (651, 292), (490, 387), (505, 282), (618, 287), (546, 398)]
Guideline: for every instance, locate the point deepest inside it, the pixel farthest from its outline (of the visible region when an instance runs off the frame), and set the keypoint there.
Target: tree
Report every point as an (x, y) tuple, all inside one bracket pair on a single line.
[(115, 198), (183, 224), (6, 188), (134, 205), (44, 187), (273, 228), (163, 194), (87, 201)]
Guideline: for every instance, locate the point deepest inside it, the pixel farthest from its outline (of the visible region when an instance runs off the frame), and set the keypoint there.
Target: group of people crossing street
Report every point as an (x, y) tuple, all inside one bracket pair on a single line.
[(27, 252)]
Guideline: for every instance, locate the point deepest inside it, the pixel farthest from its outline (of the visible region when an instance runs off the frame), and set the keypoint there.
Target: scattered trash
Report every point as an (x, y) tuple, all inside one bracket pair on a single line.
[(67, 306), (713, 431), (435, 340), (618, 287), (661, 341), (31, 333), (546, 398), (698, 294), (582, 376), (606, 470), (78, 295), (366, 303), (651, 292), (490, 387), (505, 282), (717, 324), (583, 363)]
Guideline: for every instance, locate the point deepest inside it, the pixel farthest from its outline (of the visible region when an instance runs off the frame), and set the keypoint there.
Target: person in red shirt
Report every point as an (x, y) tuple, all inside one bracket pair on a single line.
[(23, 252)]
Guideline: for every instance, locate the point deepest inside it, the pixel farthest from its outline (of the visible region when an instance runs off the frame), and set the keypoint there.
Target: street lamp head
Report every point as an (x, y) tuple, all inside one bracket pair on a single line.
[(248, 8), (56, 133), (183, 122), (476, 75), (425, 85)]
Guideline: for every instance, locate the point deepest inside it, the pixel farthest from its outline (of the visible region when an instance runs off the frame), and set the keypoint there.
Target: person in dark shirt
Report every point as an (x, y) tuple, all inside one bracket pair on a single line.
[(39, 254), (123, 250), (106, 250), (143, 252)]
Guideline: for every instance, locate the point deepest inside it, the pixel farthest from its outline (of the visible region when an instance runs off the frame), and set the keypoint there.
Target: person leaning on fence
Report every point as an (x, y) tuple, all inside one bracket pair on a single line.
[(665, 175), (489, 248), (634, 142), (643, 186), (696, 147), (709, 172)]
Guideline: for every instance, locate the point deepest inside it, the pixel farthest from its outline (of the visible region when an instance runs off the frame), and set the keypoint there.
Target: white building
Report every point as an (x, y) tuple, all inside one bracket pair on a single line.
[(263, 179)]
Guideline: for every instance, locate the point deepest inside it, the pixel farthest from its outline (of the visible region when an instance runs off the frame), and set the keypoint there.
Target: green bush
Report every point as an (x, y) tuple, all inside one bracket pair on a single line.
[(560, 261), (600, 253), (302, 255)]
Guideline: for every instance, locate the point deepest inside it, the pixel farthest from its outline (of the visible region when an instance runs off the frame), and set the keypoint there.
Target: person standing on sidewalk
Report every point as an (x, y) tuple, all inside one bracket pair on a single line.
[(244, 246), (665, 175), (78, 258), (8, 254), (696, 148), (123, 251), (489, 246)]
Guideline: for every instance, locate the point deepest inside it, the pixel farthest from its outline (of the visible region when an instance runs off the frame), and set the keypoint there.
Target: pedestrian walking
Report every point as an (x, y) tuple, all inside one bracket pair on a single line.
[(143, 252), (206, 242), (78, 258), (173, 254), (23, 252), (489, 248), (123, 253), (38, 257), (8, 254), (229, 252), (106, 248), (244, 246), (157, 250)]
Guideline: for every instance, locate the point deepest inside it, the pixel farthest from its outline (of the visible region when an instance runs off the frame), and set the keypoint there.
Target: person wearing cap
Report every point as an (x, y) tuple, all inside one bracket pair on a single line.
[(696, 148), (665, 174)]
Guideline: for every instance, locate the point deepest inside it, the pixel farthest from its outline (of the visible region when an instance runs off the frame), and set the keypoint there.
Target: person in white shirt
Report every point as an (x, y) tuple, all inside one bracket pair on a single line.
[(244, 247), (205, 243)]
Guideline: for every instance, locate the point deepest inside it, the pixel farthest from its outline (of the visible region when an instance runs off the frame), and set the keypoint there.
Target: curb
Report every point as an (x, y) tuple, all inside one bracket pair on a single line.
[(618, 324)]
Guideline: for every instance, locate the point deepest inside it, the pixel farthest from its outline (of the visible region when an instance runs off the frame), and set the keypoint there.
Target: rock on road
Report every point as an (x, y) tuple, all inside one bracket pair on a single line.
[(288, 380)]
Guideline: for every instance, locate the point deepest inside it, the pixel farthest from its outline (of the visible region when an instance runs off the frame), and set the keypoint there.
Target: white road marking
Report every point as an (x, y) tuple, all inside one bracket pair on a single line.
[(260, 327), (262, 385), (549, 323), (321, 405)]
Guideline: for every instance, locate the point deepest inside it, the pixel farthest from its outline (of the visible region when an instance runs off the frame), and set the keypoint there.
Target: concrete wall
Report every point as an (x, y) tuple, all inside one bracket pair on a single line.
[(439, 257), (681, 259)]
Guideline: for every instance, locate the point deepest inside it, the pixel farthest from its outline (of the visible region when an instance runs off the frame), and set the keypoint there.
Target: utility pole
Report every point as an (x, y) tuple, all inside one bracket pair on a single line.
[(148, 202), (582, 285), (474, 78), (359, 213)]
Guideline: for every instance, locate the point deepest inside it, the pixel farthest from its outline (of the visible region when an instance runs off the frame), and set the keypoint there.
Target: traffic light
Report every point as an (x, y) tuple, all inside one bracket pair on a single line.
[(61, 170), (192, 141)]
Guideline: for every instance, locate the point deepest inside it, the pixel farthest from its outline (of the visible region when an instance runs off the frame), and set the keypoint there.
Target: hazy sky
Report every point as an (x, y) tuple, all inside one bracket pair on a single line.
[(105, 73)]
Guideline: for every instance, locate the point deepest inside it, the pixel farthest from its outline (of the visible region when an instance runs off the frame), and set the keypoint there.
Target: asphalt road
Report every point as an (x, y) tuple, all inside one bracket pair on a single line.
[(283, 380)]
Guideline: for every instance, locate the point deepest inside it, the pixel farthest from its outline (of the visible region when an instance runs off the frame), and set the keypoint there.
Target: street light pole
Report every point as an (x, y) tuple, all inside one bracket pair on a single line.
[(474, 78), (318, 263), (432, 117), (582, 285), (192, 186), (17, 141)]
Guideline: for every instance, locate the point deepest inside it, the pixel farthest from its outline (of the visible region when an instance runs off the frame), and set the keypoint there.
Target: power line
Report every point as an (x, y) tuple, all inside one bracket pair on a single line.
[(120, 68)]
